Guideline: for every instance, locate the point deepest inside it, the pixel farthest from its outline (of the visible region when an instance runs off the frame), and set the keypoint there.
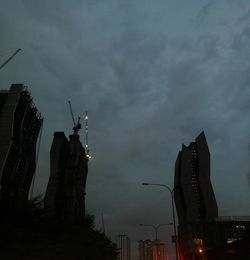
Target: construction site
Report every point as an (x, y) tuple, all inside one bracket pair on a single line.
[(30, 224)]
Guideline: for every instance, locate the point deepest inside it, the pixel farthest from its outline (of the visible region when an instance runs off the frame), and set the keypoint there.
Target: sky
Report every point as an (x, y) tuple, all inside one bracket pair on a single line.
[(152, 74)]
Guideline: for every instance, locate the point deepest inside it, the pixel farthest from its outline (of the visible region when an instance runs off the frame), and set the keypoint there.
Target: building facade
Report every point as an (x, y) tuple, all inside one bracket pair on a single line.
[(123, 245), (65, 194), (20, 123)]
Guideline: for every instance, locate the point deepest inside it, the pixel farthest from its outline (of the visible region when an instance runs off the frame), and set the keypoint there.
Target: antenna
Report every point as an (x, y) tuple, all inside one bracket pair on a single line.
[(77, 126), (86, 118)]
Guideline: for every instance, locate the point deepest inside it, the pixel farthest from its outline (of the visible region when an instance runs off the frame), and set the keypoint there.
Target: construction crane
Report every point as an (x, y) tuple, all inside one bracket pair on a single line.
[(77, 126), (10, 58), (86, 118)]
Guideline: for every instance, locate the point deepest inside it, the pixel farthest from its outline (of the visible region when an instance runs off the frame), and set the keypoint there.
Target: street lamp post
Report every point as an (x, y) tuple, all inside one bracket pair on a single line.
[(173, 212)]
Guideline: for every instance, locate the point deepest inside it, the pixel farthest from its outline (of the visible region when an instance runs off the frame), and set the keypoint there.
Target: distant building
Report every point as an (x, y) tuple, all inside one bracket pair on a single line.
[(123, 245), (65, 194), (145, 249), (151, 250), (200, 229), (20, 123)]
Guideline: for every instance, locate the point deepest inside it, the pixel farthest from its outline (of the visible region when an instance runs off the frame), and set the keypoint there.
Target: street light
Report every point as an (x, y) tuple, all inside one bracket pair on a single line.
[(173, 211), (156, 228)]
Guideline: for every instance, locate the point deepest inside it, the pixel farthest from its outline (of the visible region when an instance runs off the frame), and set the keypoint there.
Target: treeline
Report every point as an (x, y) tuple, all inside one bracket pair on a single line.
[(39, 238)]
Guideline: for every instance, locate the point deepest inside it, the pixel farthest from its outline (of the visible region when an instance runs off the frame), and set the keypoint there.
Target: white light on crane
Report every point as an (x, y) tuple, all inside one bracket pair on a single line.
[(86, 135)]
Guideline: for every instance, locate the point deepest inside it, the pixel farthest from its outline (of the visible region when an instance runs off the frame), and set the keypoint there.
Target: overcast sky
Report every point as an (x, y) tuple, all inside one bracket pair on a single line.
[(152, 74)]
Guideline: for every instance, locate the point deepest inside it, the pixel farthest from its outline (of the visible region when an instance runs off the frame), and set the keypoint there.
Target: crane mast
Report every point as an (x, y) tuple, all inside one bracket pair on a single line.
[(86, 118), (77, 126)]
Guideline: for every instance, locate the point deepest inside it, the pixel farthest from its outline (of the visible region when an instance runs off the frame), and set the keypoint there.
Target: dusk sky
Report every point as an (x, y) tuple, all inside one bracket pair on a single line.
[(152, 74)]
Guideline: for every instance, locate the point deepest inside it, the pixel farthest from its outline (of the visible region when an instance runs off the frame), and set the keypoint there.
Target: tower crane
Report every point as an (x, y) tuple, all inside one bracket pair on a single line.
[(77, 126), (10, 58)]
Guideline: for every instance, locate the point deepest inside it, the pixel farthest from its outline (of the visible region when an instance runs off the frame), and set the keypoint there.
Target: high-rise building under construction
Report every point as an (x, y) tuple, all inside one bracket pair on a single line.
[(20, 123), (65, 194)]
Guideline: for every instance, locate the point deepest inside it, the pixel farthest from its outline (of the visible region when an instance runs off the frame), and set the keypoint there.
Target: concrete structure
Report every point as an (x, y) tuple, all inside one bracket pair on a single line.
[(20, 123), (123, 245), (152, 250), (65, 194)]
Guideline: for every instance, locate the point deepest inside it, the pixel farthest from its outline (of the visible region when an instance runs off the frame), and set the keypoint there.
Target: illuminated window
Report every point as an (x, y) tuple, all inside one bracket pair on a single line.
[(198, 241), (241, 227), (231, 240)]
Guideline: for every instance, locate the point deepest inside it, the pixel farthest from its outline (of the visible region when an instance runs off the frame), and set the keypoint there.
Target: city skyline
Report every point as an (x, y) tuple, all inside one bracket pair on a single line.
[(152, 76)]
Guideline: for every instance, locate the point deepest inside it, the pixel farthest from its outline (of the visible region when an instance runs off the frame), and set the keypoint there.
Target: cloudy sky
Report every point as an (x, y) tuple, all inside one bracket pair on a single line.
[(152, 74)]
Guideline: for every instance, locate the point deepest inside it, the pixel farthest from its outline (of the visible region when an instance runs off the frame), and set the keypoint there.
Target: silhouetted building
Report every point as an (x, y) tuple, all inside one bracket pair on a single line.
[(145, 249), (123, 245), (20, 123), (65, 194), (200, 230), (194, 196), (151, 250)]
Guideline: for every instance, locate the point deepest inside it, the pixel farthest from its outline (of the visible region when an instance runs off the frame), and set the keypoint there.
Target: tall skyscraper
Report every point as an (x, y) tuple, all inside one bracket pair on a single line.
[(20, 123), (194, 196), (123, 245), (200, 231), (65, 194)]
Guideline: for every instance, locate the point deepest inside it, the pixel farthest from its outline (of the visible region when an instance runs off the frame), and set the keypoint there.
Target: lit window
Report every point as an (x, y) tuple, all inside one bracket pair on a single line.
[(241, 227), (231, 240), (198, 241)]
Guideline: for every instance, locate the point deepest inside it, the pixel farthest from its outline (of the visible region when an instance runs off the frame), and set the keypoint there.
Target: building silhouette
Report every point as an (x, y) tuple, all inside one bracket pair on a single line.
[(20, 123), (151, 250), (200, 231), (123, 245), (65, 194), (194, 196), (145, 249)]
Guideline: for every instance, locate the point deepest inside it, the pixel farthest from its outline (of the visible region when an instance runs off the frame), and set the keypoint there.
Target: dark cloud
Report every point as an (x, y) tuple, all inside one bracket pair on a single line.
[(151, 79), (204, 12)]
